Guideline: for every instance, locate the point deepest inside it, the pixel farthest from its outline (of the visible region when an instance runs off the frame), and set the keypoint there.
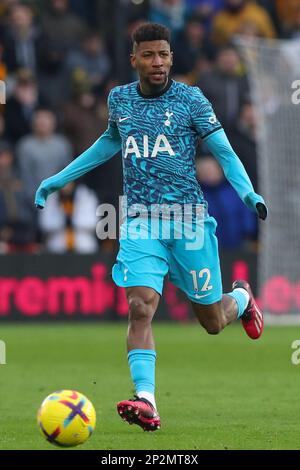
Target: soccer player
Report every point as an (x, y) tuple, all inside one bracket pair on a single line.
[(157, 122)]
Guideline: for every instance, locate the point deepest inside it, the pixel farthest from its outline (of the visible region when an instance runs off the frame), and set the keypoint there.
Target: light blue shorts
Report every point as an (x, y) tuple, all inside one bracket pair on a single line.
[(144, 261)]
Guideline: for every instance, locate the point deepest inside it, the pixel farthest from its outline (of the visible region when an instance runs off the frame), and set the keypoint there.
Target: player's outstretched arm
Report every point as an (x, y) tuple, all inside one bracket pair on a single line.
[(235, 172), (101, 151)]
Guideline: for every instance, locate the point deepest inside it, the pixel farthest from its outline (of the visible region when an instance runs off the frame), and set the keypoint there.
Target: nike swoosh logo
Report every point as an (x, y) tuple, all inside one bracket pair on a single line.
[(124, 119), (201, 296)]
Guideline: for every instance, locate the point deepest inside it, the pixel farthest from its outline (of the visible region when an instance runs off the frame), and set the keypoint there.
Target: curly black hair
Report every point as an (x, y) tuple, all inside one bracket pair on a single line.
[(151, 32)]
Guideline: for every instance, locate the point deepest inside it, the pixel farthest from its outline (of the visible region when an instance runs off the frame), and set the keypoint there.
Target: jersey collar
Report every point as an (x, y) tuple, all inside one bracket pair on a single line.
[(155, 95)]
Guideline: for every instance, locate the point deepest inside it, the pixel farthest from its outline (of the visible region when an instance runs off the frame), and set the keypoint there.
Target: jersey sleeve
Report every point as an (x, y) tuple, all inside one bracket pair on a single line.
[(234, 170), (203, 116), (111, 102)]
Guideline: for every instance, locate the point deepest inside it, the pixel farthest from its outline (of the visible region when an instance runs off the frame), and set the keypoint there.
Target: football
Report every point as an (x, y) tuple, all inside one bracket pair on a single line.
[(66, 418)]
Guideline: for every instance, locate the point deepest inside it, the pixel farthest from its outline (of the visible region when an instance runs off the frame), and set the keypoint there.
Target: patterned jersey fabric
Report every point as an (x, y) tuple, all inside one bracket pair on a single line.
[(159, 139)]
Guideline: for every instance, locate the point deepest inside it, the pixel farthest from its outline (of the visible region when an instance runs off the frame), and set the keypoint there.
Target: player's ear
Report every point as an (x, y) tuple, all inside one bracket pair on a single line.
[(172, 58), (133, 60)]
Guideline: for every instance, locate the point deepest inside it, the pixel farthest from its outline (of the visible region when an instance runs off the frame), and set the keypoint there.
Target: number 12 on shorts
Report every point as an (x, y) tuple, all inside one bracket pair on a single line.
[(205, 275)]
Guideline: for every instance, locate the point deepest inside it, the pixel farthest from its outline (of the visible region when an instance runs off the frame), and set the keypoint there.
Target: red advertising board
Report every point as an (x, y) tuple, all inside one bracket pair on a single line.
[(61, 287)]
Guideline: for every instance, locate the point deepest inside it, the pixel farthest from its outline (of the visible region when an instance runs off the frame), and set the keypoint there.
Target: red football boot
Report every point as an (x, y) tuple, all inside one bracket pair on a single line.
[(252, 318), (139, 411)]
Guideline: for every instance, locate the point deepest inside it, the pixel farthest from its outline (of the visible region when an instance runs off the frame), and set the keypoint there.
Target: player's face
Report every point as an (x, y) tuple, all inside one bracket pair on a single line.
[(153, 61)]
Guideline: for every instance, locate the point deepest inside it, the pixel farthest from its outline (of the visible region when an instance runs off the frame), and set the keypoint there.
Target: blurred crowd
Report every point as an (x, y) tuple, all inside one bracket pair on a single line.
[(60, 58)]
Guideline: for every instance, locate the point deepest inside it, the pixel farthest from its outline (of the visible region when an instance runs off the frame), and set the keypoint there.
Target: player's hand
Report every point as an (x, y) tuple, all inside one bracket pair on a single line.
[(41, 196), (262, 210), (256, 203)]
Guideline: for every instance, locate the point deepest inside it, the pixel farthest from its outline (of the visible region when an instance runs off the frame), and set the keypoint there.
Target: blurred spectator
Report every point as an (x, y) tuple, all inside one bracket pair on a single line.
[(171, 13), (53, 73), (206, 9), (42, 153), (61, 27), (249, 30), (270, 7), (82, 123), (17, 221), (230, 20), (86, 9), (236, 222), (62, 31), (226, 86), (243, 139), (92, 58), (21, 40), (2, 128), (104, 17), (295, 33), (287, 12), (3, 67), (290, 14), (191, 44), (5, 7), (69, 220), (85, 119), (21, 106)]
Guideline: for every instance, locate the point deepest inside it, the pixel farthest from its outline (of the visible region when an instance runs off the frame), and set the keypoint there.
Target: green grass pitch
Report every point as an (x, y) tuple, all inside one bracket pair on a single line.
[(213, 392)]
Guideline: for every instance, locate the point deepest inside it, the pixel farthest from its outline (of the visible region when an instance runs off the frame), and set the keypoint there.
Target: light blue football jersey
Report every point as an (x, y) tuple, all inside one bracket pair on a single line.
[(159, 140)]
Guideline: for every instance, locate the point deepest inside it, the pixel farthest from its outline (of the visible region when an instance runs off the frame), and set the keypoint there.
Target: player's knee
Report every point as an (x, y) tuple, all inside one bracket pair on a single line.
[(139, 310), (214, 327)]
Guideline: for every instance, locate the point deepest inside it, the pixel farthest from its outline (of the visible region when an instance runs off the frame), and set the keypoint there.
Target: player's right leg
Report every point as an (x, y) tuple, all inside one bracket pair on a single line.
[(141, 267), (141, 410)]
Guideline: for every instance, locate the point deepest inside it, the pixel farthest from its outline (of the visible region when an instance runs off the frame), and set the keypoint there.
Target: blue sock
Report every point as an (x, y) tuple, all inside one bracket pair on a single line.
[(241, 301), (142, 369)]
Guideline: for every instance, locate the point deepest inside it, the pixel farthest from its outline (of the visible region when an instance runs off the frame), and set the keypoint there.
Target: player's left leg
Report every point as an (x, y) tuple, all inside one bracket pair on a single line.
[(198, 274), (215, 317), (240, 303)]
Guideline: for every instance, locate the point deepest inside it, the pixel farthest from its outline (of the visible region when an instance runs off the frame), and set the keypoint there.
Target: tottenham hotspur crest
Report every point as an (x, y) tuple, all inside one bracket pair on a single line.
[(168, 121)]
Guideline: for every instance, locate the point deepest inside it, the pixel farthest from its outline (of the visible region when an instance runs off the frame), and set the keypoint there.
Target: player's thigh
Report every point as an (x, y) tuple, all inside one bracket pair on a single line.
[(197, 272), (141, 263)]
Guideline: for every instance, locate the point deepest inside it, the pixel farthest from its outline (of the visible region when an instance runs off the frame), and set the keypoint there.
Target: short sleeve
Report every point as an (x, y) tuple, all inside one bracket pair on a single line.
[(203, 116)]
